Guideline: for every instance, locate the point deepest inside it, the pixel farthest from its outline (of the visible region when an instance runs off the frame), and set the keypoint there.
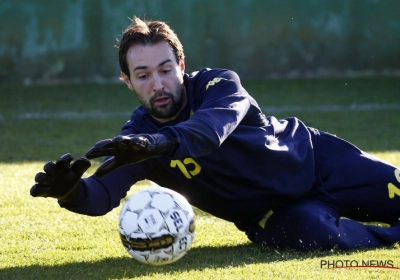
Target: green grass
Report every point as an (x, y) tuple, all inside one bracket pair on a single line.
[(40, 240)]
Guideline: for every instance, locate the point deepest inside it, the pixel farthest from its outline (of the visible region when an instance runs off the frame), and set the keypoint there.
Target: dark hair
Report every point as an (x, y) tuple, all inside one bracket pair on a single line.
[(147, 33)]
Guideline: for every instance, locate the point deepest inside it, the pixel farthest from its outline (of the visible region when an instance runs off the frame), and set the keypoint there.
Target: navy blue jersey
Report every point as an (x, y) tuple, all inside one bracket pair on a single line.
[(232, 161)]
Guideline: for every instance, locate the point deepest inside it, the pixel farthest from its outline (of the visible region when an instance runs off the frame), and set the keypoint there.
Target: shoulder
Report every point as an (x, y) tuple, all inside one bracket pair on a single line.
[(209, 79), (208, 74)]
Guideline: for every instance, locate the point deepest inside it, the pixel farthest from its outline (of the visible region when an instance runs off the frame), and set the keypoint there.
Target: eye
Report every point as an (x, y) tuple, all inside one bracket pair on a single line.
[(166, 70), (142, 76)]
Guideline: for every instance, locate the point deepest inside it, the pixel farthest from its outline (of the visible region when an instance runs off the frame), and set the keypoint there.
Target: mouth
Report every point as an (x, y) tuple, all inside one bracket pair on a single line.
[(162, 101)]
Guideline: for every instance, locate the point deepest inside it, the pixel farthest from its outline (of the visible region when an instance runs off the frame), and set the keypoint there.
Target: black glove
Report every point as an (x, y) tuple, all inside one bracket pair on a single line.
[(129, 149), (61, 179)]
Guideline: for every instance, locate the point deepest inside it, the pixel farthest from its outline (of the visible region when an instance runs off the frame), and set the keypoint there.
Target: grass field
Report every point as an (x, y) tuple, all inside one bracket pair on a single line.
[(39, 240)]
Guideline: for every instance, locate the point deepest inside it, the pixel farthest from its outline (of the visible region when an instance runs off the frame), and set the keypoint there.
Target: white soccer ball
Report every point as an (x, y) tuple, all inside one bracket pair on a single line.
[(156, 226)]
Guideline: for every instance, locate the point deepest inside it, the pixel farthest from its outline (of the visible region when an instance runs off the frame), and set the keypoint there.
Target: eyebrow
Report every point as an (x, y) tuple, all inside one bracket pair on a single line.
[(145, 67)]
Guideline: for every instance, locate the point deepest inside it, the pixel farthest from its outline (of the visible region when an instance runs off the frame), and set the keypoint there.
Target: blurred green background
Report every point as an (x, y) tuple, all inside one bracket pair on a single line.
[(73, 40)]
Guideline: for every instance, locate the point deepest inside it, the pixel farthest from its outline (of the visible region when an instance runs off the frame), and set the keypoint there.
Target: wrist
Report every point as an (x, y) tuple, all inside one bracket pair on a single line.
[(72, 195), (164, 144)]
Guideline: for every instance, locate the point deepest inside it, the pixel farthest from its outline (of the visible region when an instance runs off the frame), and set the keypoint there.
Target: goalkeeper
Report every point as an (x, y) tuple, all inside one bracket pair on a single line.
[(283, 183)]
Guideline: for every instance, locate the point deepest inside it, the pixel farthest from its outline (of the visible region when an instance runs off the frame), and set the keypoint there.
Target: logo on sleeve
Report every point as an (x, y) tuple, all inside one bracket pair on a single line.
[(214, 81)]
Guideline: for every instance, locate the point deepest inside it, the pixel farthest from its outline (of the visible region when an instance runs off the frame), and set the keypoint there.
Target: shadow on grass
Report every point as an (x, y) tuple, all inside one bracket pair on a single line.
[(197, 259)]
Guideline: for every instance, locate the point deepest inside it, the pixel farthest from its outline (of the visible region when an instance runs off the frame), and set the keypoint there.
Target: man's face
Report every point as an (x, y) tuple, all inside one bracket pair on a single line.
[(157, 79)]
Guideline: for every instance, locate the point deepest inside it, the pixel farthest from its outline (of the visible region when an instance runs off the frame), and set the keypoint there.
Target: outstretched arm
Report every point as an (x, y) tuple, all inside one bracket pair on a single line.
[(91, 196)]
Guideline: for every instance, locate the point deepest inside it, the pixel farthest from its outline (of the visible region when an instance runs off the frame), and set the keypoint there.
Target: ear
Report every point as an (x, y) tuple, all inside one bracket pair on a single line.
[(126, 80), (182, 66)]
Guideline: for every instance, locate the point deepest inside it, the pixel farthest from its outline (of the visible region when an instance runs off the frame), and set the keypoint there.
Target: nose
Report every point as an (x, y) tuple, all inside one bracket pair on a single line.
[(157, 83)]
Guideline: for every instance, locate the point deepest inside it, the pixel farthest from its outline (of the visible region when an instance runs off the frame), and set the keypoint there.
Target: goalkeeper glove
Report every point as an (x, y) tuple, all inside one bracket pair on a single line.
[(61, 179), (129, 149)]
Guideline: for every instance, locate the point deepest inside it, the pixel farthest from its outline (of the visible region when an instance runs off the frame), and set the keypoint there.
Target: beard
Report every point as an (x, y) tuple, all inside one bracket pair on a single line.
[(171, 109)]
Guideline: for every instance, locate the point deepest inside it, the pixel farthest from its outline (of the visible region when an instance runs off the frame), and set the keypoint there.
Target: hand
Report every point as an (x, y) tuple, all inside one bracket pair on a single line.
[(60, 180), (129, 149)]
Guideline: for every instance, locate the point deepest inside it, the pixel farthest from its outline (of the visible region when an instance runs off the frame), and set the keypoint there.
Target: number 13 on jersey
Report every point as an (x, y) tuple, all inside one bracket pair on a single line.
[(189, 167)]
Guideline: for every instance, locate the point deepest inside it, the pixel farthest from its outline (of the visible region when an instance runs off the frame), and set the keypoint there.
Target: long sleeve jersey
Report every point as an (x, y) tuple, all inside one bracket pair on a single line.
[(231, 161)]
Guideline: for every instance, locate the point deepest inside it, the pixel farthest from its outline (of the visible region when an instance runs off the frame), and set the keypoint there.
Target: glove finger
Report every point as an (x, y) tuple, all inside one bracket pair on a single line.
[(121, 142), (80, 166), (138, 143), (122, 139), (43, 185), (51, 169), (107, 167), (64, 161), (103, 144), (120, 146), (39, 190), (96, 153), (43, 178), (100, 149)]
